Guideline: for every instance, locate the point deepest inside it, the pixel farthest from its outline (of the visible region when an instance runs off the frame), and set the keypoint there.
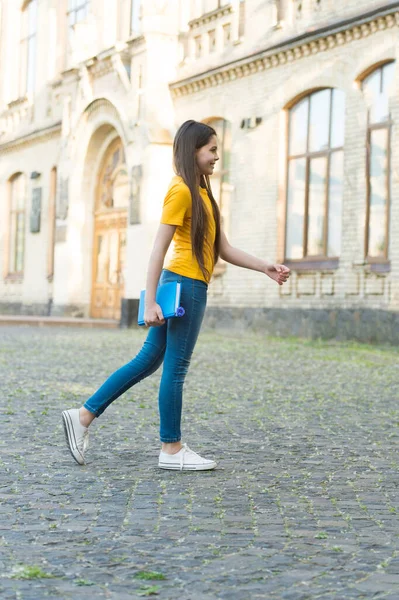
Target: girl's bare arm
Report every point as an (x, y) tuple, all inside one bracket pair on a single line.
[(278, 273)]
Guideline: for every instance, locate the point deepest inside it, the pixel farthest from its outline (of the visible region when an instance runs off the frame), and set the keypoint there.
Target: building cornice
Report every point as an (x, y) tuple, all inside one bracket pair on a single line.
[(211, 16), (287, 51), (39, 135)]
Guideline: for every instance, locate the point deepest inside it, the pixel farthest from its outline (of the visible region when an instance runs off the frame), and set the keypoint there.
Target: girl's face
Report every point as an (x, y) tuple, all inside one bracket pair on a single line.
[(207, 156)]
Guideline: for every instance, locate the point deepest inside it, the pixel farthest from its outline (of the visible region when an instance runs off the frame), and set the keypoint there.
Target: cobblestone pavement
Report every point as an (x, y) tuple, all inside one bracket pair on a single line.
[(304, 502)]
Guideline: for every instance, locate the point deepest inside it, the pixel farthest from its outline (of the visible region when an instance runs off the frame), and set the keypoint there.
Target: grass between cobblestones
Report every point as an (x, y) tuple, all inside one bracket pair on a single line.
[(303, 503)]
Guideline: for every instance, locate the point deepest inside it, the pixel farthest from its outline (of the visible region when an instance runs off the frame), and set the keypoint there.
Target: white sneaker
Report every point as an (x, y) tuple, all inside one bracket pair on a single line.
[(77, 435), (185, 460)]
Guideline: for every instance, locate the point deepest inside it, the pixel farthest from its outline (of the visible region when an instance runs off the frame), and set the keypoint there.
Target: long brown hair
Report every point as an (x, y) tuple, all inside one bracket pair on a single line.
[(190, 137)]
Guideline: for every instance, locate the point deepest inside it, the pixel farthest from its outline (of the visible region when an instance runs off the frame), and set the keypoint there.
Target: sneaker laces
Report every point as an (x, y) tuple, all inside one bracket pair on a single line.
[(83, 442), (86, 440), (185, 449)]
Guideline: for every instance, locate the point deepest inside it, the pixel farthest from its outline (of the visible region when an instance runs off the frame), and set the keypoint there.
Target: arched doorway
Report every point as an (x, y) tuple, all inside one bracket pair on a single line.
[(110, 222)]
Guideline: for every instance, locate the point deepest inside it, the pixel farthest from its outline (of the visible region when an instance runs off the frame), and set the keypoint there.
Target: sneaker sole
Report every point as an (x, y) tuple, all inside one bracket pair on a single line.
[(176, 467), (70, 437)]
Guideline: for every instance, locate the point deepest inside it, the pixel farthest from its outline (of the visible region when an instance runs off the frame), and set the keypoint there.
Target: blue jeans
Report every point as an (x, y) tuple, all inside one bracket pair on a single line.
[(173, 344)]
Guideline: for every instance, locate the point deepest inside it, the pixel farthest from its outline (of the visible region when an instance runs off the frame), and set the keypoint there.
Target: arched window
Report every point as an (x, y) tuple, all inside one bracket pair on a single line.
[(28, 48), (17, 224), (113, 183), (315, 176), (377, 87)]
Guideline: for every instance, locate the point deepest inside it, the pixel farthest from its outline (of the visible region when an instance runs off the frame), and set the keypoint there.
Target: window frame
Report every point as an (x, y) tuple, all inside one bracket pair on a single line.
[(138, 31), (28, 62), (376, 261), (52, 223), (321, 260), (11, 273), (82, 4)]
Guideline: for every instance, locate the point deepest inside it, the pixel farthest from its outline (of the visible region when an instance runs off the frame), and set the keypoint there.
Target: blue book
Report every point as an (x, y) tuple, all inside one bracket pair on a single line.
[(168, 298)]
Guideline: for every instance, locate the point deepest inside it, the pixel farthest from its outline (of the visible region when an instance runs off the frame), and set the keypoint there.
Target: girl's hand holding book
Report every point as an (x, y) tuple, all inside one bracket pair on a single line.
[(153, 316)]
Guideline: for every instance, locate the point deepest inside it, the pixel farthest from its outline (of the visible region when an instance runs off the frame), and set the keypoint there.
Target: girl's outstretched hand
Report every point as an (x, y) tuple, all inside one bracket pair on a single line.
[(279, 273), (153, 316)]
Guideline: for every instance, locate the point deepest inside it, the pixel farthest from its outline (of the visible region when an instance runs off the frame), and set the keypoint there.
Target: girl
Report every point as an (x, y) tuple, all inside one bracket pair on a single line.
[(191, 218)]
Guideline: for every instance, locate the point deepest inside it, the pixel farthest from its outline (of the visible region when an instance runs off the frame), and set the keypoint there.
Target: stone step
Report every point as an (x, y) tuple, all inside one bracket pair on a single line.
[(39, 321)]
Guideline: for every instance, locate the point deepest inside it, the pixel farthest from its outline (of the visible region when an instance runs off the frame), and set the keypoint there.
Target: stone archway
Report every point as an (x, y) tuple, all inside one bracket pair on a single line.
[(110, 223)]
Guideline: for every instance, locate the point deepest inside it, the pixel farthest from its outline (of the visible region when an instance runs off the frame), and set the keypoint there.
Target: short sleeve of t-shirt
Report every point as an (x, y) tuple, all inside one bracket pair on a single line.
[(177, 202)]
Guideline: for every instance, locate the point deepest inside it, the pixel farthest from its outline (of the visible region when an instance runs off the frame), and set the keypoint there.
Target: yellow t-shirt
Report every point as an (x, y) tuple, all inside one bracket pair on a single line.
[(177, 209)]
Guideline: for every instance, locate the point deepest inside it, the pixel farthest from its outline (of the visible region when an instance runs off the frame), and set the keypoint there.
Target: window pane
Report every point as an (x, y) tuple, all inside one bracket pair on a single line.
[(32, 17), (80, 14), (295, 207), (299, 127), (335, 192), (19, 193), (23, 66), (20, 239), (31, 69), (317, 203), (377, 89), (388, 74), (13, 231), (135, 25), (372, 85), (338, 119), (71, 4), (378, 192), (14, 194), (24, 23), (319, 120)]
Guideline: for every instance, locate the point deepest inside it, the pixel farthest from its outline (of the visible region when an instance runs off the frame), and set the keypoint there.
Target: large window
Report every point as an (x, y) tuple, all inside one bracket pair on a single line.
[(377, 87), (77, 12), (135, 17), (17, 224), (315, 176), (28, 48)]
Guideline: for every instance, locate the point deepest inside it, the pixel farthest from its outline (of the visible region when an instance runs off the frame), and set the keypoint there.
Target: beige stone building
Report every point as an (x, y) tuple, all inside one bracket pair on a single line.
[(305, 97)]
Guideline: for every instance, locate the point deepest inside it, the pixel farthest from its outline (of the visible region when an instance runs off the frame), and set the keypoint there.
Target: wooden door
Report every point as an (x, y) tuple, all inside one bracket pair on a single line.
[(109, 248)]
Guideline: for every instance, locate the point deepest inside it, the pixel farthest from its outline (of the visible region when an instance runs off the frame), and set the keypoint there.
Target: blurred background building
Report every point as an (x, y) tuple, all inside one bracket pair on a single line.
[(304, 96)]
